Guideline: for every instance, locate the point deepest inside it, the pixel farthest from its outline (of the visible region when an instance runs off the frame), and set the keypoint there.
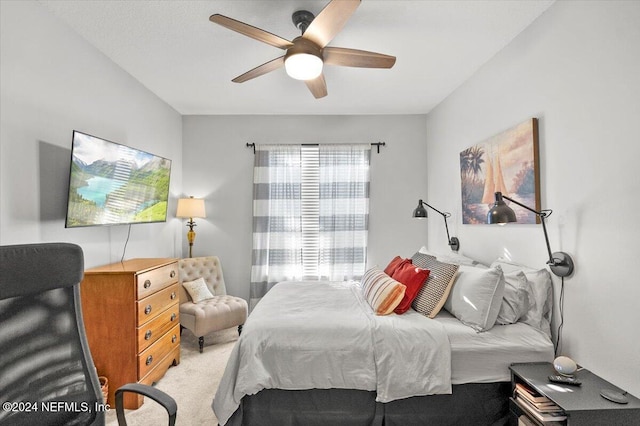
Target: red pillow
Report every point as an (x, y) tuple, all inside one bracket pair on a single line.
[(394, 264), (413, 278)]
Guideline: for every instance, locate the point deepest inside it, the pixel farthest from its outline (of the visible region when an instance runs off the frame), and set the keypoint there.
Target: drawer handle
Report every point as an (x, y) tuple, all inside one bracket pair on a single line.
[(174, 338), (149, 359), (147, 310), (147, 284), (173, 295), (147, 335), (172, 274), (173, 317)]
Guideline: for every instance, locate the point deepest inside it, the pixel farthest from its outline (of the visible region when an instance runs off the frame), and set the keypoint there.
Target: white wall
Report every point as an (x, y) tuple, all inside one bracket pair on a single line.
[(219, 167), (52, 82), (577, 69)]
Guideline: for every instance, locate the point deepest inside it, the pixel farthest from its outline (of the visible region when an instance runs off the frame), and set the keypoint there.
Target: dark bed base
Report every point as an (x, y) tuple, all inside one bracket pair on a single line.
[(473, 404)]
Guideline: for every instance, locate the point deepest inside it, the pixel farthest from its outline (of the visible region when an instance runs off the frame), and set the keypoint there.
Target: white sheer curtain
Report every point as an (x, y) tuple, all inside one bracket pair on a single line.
[(311, 214)]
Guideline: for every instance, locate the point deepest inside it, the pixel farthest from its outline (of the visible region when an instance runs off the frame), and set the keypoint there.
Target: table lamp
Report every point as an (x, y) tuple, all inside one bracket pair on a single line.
[(190, 208)]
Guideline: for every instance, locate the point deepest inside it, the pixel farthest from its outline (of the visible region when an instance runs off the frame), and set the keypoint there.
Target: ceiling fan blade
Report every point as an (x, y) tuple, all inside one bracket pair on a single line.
[(317, 86), (251, 31), (260, 70), (330, 21), (356, 58)]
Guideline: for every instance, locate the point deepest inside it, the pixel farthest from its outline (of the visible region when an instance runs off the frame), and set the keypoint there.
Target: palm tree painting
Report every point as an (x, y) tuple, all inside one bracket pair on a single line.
[(507, 163)]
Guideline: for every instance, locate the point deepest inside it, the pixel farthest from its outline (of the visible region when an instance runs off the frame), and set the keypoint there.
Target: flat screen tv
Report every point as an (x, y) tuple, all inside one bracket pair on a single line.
[(113, 184)]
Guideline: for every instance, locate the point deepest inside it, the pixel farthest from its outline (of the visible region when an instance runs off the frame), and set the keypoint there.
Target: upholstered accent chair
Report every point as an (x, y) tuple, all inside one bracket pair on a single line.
[(218, 310)]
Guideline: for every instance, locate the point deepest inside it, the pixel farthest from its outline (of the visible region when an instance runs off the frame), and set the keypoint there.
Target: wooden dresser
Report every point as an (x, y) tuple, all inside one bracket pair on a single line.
[(131, 317)]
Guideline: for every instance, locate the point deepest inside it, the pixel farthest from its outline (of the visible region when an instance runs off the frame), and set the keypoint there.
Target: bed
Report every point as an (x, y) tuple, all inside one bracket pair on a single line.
[(317, 353)]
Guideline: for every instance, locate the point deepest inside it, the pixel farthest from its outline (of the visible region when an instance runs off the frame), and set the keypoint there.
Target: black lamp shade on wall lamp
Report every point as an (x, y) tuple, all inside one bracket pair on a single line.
[(421, 212), (559, 262)]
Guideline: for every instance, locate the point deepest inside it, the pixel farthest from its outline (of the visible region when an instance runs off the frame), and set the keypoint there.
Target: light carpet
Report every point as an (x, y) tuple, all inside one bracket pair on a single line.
[(192, 383)]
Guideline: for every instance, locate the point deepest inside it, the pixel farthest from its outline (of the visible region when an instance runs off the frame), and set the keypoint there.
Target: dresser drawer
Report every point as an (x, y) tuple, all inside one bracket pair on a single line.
[(148, 359), (155, 328), (151, 281), (152, 306)]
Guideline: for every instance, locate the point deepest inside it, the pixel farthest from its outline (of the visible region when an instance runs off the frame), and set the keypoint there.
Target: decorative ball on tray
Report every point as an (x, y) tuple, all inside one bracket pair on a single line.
[(565, 365)]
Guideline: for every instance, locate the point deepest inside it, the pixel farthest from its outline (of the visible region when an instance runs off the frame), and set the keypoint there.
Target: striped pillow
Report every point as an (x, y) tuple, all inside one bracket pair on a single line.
[(435, 291), (381, 291)]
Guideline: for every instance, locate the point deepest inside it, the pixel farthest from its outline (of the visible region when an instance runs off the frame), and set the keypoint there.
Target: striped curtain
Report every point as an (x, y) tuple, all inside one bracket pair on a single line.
[(310, 214), (277, 226)]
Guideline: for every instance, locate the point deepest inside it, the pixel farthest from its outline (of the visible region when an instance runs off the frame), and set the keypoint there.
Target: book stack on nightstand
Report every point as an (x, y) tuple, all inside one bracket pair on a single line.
[(537, 406)]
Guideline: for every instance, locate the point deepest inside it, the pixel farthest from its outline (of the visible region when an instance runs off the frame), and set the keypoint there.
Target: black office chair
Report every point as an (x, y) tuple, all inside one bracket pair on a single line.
[(160, 397), (47, 376)]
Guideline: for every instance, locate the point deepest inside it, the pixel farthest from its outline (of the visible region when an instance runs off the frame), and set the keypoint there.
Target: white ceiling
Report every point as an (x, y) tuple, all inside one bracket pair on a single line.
[(172, 48)]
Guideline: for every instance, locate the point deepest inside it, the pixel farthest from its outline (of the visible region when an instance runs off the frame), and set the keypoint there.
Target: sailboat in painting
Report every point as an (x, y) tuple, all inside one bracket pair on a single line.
[(499, 180), (489, 185), (494, 181)]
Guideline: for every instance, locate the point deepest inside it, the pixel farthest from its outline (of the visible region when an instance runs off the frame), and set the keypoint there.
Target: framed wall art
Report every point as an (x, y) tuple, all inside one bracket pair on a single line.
[(507, 162)]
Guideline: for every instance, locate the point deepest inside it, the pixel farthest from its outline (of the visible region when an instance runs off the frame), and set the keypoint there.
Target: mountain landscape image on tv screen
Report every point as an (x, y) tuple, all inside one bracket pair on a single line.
[(113, 184)]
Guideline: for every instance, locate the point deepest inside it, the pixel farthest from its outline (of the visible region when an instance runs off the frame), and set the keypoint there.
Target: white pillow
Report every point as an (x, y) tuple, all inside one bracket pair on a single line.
[(539, 314), (515, 302), (198, 290), (476, 296)]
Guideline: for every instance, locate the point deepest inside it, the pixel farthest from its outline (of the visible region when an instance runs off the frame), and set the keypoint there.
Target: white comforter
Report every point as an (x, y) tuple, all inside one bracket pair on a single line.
[(321, 335)]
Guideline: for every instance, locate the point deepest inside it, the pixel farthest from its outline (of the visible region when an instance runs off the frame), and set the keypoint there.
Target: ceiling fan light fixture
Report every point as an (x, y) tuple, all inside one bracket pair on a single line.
[(303, 66), (305, 55)]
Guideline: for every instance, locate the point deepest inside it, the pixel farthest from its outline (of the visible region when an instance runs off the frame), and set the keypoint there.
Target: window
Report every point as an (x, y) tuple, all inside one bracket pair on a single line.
[(311, 209)]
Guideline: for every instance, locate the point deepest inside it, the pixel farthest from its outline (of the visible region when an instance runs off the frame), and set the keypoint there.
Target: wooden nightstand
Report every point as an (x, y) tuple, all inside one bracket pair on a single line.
[(582, 405)]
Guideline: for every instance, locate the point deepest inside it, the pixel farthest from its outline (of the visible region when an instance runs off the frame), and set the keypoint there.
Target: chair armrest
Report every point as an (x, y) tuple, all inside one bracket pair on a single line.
[(157, 395)]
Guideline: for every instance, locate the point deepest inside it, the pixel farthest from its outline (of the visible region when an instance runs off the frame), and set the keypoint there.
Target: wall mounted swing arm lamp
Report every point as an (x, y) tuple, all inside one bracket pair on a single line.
[(421, 212), (559, 262)]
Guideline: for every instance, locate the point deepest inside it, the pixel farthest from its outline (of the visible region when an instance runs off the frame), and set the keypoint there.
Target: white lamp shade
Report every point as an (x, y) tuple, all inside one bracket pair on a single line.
[(303, 66), (191, 207)]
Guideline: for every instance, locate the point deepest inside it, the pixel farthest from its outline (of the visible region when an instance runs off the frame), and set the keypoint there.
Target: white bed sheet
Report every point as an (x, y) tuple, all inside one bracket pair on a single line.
[(485, 357), (306, 335)]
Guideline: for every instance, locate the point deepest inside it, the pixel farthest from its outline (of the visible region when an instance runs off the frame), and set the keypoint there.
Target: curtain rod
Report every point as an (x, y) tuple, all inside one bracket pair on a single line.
[(376, 144)]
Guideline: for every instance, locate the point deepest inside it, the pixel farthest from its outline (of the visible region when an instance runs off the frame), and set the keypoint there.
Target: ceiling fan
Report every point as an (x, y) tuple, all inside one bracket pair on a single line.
[(305, 55)]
